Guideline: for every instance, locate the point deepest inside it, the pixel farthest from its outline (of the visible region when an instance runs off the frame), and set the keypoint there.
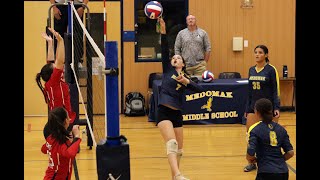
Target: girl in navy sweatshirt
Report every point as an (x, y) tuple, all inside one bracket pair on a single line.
[(174, 82)]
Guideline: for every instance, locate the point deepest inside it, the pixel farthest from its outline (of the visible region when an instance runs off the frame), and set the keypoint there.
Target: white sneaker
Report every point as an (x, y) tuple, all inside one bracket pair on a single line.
[(180, 177)]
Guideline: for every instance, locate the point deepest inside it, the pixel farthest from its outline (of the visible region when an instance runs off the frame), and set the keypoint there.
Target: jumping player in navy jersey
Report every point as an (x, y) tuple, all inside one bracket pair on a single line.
[(263, 83), (174, 83), (267, 139), (61, 145)]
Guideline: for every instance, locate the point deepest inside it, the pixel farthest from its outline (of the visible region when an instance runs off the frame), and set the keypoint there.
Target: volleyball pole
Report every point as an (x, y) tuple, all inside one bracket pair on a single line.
[(113, 157)]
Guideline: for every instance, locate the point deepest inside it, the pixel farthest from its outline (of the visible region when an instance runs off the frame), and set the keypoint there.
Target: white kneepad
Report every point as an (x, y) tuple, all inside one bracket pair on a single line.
[(172, 146)]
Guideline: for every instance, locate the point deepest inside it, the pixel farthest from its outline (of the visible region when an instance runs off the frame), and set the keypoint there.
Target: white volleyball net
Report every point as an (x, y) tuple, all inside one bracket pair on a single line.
[(87, 57)]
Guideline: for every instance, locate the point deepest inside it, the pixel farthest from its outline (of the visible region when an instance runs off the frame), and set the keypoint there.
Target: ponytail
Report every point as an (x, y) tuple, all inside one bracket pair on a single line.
[(45, 75), (264, 107), (41, 88), (267, 116), (267, 60)]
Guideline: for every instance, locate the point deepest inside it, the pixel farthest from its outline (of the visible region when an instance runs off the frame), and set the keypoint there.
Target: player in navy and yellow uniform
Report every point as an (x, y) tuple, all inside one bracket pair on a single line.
[(60, 145), (174, 83), (267, 139), (263, 83), (55, 90)]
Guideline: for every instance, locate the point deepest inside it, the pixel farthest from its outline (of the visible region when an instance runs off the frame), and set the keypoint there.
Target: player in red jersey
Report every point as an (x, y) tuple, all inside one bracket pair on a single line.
[(61, 145), (55, 90)]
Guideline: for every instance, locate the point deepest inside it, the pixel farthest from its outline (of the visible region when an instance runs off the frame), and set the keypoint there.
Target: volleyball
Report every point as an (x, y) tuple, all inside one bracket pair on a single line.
[(153, 9), (207, 76)]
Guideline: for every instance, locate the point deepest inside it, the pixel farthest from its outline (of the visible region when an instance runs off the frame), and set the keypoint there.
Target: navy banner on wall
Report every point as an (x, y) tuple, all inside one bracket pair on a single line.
[(222, 102)]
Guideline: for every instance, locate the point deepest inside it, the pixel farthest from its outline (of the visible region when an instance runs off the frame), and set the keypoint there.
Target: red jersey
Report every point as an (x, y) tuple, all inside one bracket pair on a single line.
[(58, 93), (61, 157)]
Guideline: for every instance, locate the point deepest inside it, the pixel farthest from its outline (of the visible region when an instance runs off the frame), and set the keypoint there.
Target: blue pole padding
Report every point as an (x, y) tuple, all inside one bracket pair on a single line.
[(112, 97), (69, 17)]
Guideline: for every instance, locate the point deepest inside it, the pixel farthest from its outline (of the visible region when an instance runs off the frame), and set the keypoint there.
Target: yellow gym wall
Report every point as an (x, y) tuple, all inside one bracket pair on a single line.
[(269, 22), (35, 21)]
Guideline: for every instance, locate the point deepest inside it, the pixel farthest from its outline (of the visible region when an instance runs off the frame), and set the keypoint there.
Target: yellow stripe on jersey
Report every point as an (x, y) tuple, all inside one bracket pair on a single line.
[(251, 127), (277, 79)]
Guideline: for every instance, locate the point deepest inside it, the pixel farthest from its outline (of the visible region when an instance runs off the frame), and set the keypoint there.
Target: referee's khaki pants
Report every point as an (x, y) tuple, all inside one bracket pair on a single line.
[(197, 70)]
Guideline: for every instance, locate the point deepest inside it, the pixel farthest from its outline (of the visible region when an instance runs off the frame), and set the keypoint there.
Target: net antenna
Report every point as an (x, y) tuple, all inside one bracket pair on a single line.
[(104, 23)]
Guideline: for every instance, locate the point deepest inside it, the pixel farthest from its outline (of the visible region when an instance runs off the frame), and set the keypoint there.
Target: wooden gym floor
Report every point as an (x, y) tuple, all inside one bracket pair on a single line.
[(214, 151)]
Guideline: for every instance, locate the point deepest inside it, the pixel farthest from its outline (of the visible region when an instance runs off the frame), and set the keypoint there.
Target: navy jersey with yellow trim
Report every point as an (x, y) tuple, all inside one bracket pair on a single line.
[(171, 92), (263, 84), (267, 141)]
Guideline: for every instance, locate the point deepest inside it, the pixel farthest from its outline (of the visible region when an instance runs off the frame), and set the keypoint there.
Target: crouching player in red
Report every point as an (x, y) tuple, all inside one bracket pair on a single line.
[(61, 145)]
